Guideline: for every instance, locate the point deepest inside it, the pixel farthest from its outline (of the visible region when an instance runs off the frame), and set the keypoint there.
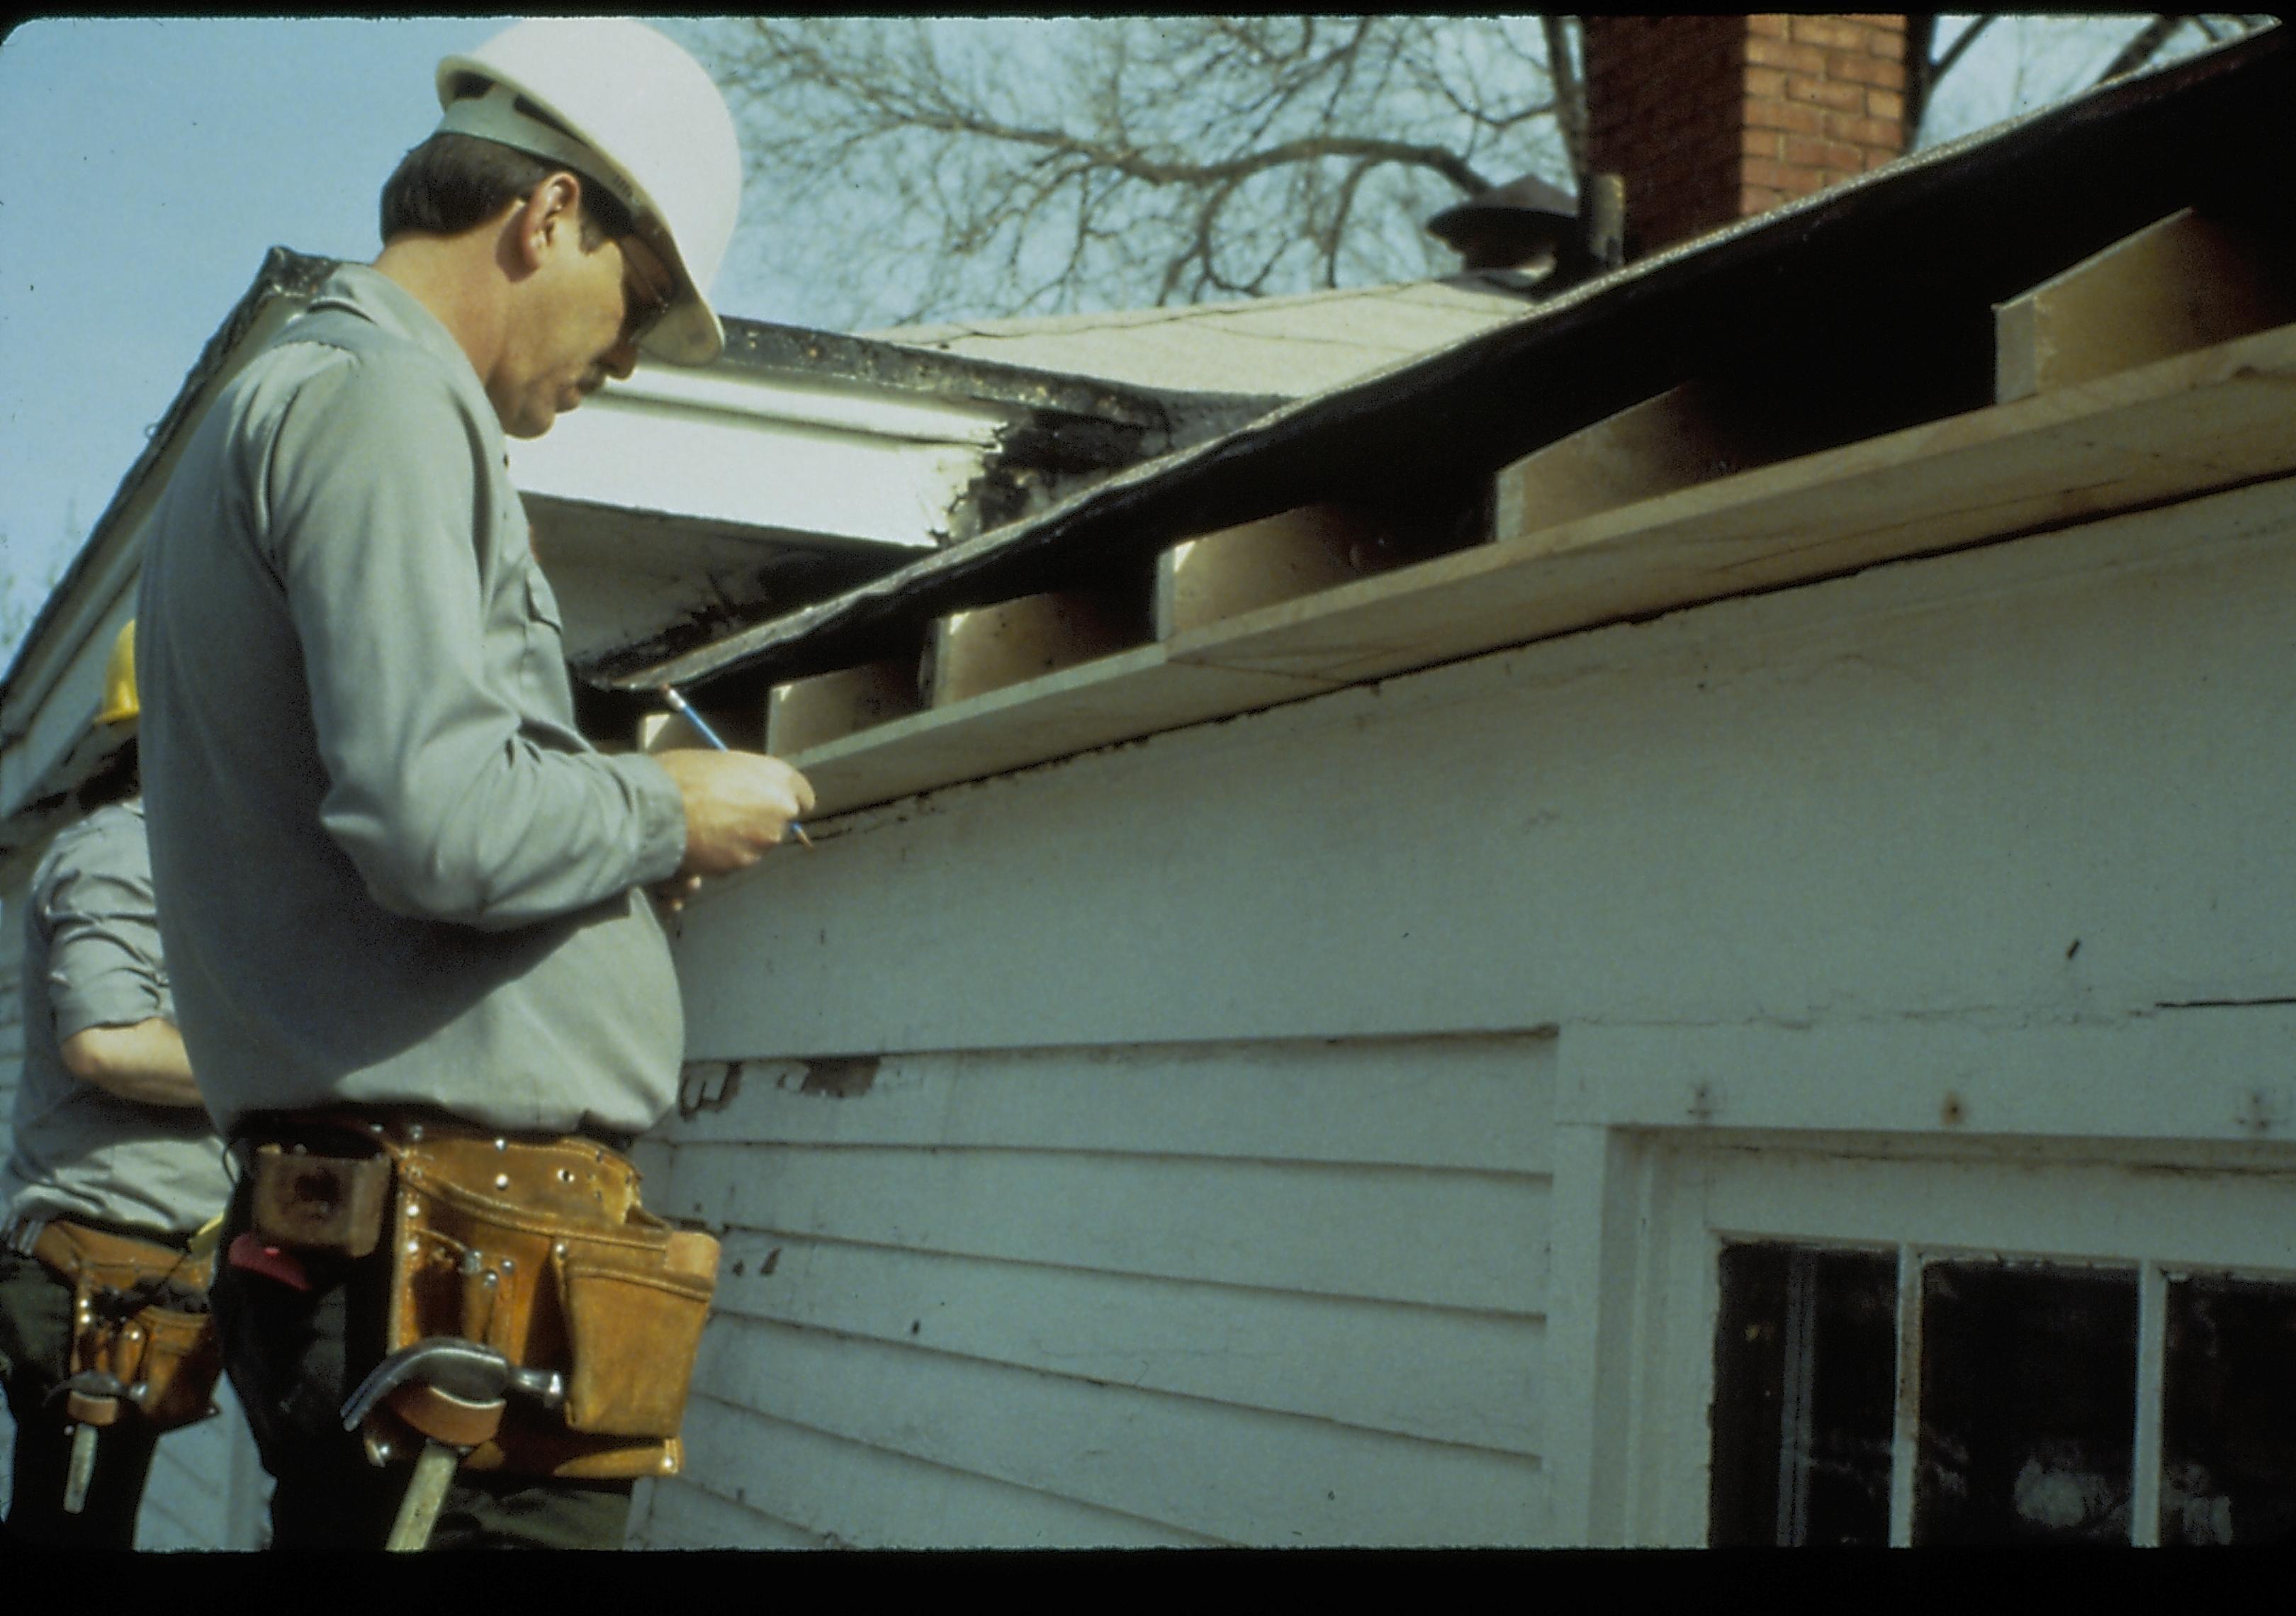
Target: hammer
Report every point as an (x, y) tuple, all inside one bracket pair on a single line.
[(471, 1379)]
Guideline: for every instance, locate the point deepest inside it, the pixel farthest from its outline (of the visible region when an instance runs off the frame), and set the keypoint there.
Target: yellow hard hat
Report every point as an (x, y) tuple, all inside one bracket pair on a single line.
[(119, 703)]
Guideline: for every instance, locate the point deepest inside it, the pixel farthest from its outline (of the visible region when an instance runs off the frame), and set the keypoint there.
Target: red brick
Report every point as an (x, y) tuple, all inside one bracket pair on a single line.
[(1832, 31), (1802, 182), (1885, 36), (1824, 93), (1885, 104), (1762, 171), (1786, 115), (1866, 131), (1761, 142), (1857, 68), (1793, 58), (1765, 81), (1767, 25), (1837, 155), (1758, 199)]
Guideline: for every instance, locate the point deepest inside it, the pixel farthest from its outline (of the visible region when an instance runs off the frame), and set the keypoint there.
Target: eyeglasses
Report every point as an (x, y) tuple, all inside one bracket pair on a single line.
[(642, 305)]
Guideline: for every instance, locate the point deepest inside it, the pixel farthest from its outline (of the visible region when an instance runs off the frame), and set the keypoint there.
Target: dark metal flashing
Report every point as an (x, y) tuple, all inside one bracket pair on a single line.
[(765, 347), (1898, 270)]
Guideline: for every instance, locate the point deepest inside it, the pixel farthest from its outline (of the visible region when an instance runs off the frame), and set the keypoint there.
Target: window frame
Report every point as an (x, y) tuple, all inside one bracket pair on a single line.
[(2063, 1204)]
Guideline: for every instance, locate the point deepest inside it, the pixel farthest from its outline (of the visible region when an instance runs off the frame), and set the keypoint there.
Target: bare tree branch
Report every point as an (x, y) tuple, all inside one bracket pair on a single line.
[(1011, 165)]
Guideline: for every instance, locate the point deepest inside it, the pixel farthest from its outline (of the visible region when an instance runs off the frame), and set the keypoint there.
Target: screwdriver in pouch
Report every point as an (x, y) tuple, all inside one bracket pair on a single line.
[(684, 709)]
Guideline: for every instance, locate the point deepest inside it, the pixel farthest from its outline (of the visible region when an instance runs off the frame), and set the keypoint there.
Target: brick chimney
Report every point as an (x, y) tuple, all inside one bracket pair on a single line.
[(1711, 119)]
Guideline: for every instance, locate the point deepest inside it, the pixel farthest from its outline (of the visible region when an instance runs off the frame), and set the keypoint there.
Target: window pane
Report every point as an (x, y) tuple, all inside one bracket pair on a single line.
[(1805, 1365), (2228, 1412), (2029, 1399)]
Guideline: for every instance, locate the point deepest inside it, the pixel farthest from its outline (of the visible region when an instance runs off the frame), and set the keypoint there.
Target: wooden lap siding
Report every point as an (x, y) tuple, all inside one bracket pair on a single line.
[(1210, 1225), (1167, 1294)]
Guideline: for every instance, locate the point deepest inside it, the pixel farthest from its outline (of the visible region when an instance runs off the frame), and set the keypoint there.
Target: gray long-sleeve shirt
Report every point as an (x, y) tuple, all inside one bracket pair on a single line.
[(391, 870), (92, 958)]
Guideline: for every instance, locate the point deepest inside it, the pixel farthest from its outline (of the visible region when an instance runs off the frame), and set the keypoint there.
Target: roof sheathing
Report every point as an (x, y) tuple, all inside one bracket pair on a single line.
[(1931, 241)]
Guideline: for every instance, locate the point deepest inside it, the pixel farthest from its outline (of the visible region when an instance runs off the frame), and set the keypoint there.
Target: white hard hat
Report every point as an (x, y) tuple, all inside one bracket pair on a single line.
[(647, 122)]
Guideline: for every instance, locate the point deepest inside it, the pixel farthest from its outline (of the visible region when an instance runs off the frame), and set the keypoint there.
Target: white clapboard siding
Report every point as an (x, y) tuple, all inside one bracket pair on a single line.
[(1238, 1475), (1329, 1230), (770, 1483), (1349, 1361), (698, 1518), (1164, 1293), (206, 1487), (1464, 1101)]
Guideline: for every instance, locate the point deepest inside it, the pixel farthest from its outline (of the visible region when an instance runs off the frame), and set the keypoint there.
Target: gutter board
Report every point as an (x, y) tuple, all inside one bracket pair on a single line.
[(2183, 426), (2172, 430), (1119, 698)]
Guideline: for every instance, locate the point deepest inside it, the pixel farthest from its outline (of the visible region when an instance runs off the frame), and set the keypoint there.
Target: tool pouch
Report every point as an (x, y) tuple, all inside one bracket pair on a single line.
[(540, 1251), (317, 1203), (139, 1314)]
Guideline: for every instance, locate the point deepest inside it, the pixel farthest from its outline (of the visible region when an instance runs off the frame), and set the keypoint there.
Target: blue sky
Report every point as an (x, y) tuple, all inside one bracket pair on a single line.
[(151, 161)]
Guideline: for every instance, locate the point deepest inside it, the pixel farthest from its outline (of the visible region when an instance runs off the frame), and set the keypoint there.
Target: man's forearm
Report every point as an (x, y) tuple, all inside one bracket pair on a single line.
[(145, 1063)]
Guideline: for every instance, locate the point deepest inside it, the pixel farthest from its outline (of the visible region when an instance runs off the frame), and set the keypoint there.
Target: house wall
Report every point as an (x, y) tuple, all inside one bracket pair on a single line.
[(1260, 1141)]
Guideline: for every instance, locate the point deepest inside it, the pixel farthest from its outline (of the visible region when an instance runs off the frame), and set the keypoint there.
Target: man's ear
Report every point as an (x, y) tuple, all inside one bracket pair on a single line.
[(551, 210)]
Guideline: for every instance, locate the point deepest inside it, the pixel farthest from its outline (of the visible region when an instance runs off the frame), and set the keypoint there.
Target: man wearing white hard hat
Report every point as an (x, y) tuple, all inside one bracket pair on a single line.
[(405, 904)]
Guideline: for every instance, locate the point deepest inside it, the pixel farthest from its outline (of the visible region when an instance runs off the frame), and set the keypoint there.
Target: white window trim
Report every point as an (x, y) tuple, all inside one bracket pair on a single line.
[(2060, 1203)]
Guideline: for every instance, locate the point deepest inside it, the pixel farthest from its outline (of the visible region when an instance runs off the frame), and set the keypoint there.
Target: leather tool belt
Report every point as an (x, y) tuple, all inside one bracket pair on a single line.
[(535, 1247), (140, 1316)]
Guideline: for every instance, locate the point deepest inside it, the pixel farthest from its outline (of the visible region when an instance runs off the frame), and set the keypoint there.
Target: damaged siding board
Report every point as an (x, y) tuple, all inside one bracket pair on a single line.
[(1473, 1103)]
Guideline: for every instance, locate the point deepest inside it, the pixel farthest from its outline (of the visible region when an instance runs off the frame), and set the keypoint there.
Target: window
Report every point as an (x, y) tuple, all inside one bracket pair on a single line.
[(2053, 1401)]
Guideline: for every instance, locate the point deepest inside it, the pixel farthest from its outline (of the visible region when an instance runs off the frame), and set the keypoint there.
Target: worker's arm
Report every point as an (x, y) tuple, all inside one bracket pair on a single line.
[(107, 984), (144, 1062), (457, 785)]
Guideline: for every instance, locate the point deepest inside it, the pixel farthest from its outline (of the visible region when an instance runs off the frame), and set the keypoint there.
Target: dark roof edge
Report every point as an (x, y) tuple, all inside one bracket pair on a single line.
[(949, 579), (283, 272), (766, 346)]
